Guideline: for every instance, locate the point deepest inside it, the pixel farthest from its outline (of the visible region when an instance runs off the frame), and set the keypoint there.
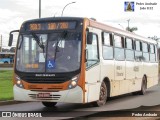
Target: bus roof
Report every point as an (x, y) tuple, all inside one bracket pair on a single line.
[(107, 28)]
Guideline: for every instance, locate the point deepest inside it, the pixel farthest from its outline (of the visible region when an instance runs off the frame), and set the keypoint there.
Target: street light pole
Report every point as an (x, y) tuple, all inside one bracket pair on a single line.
[(39, 8), (65, 7), (128, 23)]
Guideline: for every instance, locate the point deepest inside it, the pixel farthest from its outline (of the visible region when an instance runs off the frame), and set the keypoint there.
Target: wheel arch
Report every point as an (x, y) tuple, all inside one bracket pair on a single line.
[(108, 84), (145, 78)]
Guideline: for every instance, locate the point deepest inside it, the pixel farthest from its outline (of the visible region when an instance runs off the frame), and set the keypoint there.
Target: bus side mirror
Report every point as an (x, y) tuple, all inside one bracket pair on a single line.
[(11, 37), (10, 40), (89, 38)]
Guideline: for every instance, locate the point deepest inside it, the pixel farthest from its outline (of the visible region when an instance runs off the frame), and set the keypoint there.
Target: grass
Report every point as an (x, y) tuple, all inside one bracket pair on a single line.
[(6, 85)]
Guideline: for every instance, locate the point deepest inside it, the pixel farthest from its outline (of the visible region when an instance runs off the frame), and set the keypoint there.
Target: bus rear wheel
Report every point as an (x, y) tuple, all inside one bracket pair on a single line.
[(102, 97), (49, 104)]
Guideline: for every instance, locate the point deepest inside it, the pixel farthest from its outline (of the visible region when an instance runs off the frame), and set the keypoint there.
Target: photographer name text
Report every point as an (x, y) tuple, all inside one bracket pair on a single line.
[(146, 5)]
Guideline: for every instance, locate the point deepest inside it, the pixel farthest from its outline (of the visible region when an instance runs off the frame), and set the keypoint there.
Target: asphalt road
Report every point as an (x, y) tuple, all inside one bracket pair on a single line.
[(124, 102)]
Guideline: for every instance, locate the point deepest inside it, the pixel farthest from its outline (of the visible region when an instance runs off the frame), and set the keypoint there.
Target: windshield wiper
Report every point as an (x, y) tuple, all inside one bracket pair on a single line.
[(60, 37), (36, 38)]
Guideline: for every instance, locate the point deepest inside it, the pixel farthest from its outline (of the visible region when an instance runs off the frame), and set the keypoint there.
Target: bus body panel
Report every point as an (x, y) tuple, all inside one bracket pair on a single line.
[(107, 71), (152, 76), (130, 76)]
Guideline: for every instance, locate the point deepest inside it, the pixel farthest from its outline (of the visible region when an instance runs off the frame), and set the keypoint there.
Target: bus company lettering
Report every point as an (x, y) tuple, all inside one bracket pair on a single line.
[(44, 75), (119, 67), (119, 72)]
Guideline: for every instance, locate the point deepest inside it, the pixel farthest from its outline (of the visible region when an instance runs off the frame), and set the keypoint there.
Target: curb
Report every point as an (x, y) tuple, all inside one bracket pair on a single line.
[(10, 102)]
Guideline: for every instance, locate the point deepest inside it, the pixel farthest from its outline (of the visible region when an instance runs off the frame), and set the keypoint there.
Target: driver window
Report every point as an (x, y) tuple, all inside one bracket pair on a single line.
[(92, 52)]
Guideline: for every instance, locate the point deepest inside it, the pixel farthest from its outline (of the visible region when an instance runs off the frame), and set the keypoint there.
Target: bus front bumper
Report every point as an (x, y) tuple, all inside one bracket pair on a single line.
[(74, 95)]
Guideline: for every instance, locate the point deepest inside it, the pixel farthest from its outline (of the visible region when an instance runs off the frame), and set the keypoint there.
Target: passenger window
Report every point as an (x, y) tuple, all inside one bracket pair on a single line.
[(138, 46), (119, 47), (107, 38), (138, 51), (152, 50), (107, 44), (145, 52), (129, 43), (145, 47), (152, 53), (129, 49), (118, 41)]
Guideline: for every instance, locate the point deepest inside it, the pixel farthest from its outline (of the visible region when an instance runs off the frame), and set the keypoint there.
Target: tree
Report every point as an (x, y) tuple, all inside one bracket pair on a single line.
[(132, 29), (154, 38)]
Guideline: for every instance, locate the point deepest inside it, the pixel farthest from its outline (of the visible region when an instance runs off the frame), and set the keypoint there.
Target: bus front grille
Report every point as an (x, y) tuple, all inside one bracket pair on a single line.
[(54, 80)]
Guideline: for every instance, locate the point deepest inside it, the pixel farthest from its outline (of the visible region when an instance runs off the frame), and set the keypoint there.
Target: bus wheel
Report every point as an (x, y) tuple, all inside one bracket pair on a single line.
[(102, 97), (143, 87), (49, 104), (6, 62)]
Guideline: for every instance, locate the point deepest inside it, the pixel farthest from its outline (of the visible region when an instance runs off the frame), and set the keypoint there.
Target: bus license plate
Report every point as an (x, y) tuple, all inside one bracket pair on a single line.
[(43, 95)]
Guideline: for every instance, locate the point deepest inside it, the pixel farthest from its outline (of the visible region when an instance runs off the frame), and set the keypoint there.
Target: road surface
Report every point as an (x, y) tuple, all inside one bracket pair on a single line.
[(6, 68), (129, 101)]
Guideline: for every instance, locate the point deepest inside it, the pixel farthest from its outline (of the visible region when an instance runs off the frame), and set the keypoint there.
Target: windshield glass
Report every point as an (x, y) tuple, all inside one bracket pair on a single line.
[(61, 52)]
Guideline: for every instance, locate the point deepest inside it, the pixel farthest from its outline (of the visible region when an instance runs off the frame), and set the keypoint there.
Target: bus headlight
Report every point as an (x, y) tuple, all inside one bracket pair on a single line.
[(74, 82), (19, 82)]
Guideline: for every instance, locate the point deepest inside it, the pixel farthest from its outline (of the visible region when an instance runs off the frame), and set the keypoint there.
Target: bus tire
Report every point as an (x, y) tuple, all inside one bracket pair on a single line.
[(143, 86), (102, 97), (49, 104)]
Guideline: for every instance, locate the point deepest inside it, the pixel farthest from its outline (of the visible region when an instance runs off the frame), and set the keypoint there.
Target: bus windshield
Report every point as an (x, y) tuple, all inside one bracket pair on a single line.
[(61, 52)]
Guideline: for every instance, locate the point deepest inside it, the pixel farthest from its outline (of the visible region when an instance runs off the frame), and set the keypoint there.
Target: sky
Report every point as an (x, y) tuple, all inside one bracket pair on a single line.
[(14, 12)]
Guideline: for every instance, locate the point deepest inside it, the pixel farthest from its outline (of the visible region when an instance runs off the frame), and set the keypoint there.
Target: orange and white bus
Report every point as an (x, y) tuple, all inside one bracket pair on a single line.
[(79, 60)]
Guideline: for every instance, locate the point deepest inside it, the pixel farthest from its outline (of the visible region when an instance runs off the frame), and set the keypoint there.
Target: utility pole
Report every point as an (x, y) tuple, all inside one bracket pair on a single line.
[(39, 8), (1, 43)]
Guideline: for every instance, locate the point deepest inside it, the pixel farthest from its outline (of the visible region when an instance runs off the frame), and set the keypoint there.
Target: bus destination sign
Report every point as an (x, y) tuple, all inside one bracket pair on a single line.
[(50, 26)]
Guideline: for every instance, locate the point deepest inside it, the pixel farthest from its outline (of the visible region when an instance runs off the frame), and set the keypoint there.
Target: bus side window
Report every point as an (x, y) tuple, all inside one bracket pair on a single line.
[(118, 47), (152, 53), (129, 49), (92, 54), (145, 52), (138, 51), (107, 44)]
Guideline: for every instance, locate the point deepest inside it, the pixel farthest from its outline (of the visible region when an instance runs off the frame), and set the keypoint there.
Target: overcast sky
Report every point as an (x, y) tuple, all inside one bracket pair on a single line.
[(14, 12)]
